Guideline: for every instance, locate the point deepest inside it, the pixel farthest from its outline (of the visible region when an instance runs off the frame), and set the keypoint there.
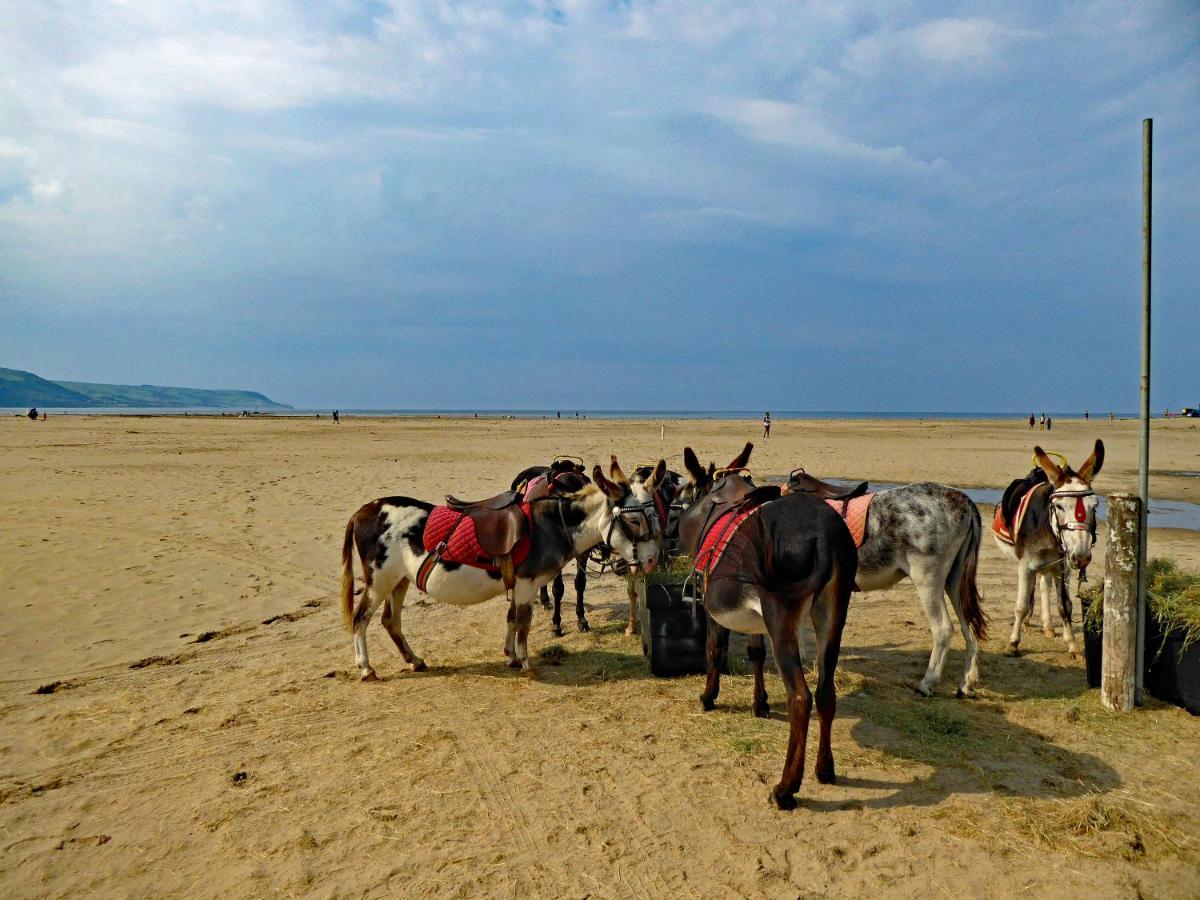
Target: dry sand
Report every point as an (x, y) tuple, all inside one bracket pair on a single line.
[(169, 587)]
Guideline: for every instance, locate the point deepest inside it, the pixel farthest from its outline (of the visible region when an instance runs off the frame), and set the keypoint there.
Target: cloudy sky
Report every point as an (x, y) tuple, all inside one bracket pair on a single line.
[(602, 204)]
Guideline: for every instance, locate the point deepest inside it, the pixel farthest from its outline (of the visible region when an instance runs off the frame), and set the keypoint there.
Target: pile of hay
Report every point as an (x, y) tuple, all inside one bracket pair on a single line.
[(1172, 595)]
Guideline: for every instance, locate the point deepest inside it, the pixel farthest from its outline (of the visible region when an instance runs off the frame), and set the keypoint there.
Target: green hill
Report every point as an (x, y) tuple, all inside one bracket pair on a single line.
[(24, 389)]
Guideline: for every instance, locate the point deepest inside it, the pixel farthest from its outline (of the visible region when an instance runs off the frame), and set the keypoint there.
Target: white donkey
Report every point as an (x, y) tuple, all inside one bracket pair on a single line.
[(390, 534), (1046, 520)]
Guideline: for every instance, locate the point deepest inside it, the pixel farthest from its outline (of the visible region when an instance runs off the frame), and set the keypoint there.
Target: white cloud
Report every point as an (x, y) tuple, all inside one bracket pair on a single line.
[(963, 41), (776, 122)]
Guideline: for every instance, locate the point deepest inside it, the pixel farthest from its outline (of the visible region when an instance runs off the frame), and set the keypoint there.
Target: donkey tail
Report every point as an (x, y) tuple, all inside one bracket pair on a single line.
[(968, 589), (348, 576)]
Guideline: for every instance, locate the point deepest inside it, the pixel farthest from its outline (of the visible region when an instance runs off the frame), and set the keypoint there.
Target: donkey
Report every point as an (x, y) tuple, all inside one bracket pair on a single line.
[(772, 561), (389, 534), (563, 474), (1046, 521), (665, 490)]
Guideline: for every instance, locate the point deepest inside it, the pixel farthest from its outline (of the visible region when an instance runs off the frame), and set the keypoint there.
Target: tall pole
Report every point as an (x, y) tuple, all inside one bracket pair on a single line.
[(1144, 451)]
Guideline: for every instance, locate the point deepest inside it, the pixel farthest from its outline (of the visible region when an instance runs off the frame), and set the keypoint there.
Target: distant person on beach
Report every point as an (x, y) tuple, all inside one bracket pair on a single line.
[(1049, 424), (1111, 417), (766, 424), (1085, 415), (1032, 421), (43, 417), (33, 414), (335, 418)]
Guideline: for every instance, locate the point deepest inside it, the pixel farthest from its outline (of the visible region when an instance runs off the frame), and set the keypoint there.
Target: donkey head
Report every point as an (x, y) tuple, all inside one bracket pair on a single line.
[(701, 480), (633, 528), (1073, 503), (701, 483)]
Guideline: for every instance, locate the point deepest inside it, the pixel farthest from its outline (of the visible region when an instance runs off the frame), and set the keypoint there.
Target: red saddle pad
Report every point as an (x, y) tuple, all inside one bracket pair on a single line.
[(462, 546)]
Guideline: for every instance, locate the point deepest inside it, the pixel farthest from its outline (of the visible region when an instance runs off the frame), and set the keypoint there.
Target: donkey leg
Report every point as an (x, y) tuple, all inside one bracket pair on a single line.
[(829, 619), (718, 646), (372, 596), (971, 668), (1021, 608), (391, 621), (580, 587), (631, 594), (756, 651), (930, 585), (510, 635), (544, 595), (1064, 606), (556, 619), (523, 602), (1046, 585), (783, 626)]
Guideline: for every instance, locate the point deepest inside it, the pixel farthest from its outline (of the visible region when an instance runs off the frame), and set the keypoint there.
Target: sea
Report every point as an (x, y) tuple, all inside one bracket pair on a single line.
[(635, 414)]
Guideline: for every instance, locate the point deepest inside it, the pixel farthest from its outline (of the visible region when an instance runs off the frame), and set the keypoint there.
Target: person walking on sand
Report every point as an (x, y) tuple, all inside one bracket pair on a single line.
[(336, 420), (1049, 424), (766, 424), (1032, 420), (1042, 421)]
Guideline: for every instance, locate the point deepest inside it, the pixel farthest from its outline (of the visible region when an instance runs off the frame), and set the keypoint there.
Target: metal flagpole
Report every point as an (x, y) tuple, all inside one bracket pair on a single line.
[(1144, 451)]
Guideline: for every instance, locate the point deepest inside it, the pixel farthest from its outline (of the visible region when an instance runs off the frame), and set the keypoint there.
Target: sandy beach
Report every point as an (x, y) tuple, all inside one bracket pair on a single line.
[(180, 712)]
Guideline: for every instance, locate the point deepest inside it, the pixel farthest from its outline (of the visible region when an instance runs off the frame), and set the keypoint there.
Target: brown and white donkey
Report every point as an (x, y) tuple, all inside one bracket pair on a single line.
[(390, 536), (1046, 522)]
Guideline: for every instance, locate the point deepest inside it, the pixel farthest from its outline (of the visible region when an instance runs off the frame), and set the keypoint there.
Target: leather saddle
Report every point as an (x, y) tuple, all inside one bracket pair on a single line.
[(731, 492), (800, 482), (1016, 491), (499, 521)]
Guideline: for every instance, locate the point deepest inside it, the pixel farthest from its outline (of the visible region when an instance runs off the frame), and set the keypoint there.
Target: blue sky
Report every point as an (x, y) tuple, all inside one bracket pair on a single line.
[(602, 205)]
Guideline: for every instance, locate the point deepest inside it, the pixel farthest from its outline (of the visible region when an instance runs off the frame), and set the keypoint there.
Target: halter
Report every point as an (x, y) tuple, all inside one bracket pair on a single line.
[(1083, 520), (648, 514)]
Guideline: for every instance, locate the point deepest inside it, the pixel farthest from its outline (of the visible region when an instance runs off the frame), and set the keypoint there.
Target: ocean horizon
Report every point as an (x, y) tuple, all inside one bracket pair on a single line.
[(635, 414)]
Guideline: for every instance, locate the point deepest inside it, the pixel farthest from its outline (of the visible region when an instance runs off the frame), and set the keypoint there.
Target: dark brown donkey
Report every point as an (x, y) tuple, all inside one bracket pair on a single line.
[(765, 560)]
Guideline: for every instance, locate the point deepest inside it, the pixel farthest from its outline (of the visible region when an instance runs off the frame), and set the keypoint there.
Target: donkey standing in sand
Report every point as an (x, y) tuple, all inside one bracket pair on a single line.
[(1046, 521), (927, 532), (564, 475), (765, 564), (390, 535)]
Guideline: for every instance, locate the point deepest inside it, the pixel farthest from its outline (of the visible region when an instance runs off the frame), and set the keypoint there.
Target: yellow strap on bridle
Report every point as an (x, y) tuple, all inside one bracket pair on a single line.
[(1063, 464), (737, 470)]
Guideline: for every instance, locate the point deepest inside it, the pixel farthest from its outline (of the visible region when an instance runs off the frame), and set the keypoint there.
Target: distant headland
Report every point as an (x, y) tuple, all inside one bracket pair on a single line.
[(23, 389)]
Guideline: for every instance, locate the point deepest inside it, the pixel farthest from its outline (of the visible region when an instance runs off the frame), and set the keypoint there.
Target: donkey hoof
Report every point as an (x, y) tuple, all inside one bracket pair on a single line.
[(584, 626), (419, 665), (762, 711), (1074, 655), (708, 703), (557, 631), (1048, 632), (1012, 649), (514, 663), (965, 694), (827, 776), (783, 801), (921, 691), (369, 676)]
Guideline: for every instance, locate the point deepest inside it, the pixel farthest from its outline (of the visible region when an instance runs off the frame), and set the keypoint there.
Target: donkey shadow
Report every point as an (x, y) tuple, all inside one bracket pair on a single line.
[(575, 668), (970, 745)]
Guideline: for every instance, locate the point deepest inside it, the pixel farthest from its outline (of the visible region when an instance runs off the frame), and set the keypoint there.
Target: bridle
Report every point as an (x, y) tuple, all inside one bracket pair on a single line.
[(1082, 520), (645, 514)]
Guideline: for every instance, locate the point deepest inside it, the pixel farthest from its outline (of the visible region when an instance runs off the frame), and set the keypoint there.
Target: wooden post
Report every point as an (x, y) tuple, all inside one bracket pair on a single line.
[(1120, 658), (1144, 444)]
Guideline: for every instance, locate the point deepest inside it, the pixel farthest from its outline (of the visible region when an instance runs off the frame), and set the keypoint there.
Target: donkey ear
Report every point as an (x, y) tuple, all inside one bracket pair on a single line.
[(692, 464), (1091, 466), (614, 471), (611, 490), (657, 476), (740, 461), (1056, 475)]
